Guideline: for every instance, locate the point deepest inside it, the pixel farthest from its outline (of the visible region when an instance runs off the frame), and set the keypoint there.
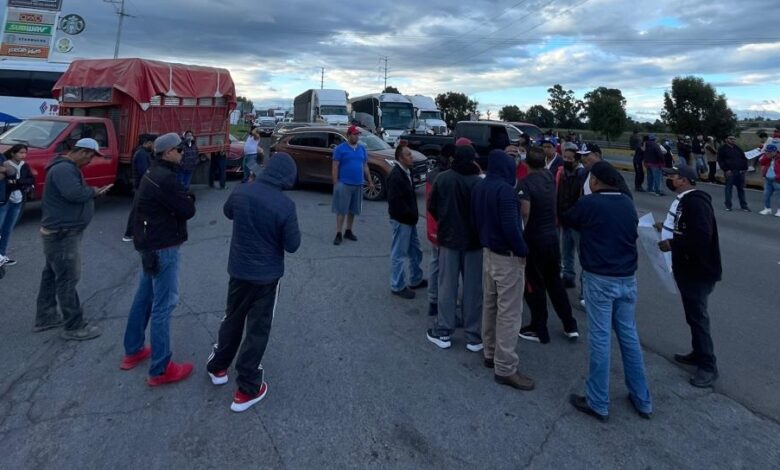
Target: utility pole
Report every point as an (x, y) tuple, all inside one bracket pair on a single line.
[(322, 79), (385, 59), (121, 12)]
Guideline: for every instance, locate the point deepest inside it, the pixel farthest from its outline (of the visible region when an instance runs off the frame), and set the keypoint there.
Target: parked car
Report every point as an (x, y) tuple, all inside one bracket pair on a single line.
[(235, 159), (529, 129), (312, 150), (266, 126), (484, 136), (283, 127)]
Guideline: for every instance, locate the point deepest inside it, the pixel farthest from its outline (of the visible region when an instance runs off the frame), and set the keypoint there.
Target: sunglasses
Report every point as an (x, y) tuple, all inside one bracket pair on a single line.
[(180, 149)]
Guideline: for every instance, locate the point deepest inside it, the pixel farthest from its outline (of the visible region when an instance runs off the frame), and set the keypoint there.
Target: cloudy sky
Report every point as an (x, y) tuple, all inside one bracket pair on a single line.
[(496, 51)]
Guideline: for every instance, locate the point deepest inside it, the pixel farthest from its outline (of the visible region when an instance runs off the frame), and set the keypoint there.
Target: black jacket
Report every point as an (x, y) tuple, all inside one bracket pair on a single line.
[(695, 246), (161, 209), (450, 206), (570, 189), (401, 198), (731, 158), (24, 182)]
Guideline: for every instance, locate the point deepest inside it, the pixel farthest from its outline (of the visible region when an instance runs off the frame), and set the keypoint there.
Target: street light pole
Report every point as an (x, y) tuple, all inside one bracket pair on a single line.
[(122, 14)]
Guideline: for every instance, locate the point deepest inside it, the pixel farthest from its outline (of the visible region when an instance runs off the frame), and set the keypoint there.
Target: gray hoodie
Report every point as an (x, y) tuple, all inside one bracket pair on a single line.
[(68, 203)]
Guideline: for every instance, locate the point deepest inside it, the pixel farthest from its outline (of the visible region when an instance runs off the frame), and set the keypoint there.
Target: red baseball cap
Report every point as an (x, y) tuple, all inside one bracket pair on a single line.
[(462, 141), (353, 130)]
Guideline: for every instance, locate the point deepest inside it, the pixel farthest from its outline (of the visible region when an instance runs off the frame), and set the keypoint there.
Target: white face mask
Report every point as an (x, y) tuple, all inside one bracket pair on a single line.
[(522, 157)]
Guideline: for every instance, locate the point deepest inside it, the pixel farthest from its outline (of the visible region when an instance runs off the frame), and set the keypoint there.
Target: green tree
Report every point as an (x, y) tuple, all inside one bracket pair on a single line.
[(391, 89), (565, 107), (511, 113), (692, 106), (606, 111), (540, 116), (244, 104), (456, 106)]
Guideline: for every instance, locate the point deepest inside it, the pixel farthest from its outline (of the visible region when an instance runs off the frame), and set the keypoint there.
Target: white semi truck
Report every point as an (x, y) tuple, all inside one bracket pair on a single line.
[(389, 115), (325, 106), (428, 117)]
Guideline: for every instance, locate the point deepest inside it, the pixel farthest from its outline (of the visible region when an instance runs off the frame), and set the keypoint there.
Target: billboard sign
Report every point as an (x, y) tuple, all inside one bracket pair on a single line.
[(49, 5), (28, 33)]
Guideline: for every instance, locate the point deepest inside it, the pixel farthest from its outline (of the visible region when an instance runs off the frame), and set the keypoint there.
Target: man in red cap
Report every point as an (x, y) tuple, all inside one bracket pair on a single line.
[(349, 170)]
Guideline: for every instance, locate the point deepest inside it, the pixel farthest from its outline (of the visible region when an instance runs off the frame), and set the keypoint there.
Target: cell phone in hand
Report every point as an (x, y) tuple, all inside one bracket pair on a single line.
[(105, 188)]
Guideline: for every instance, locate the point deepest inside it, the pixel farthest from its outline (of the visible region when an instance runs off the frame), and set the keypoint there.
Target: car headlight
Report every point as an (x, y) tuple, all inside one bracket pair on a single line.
[(390, 161)]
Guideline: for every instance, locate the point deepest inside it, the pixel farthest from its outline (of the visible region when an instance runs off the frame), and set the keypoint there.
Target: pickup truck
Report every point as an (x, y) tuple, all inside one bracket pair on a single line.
[(484, 136)]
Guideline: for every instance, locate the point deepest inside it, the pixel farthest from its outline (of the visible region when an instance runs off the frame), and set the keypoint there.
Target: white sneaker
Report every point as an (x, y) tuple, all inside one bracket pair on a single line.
[(3, 260), (778, 213), (220, 378), (751, 169), (474, 347), (766, 211), (127, 239)]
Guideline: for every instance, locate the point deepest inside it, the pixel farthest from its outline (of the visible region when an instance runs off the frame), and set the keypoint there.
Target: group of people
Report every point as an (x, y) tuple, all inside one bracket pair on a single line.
[(510, 234)]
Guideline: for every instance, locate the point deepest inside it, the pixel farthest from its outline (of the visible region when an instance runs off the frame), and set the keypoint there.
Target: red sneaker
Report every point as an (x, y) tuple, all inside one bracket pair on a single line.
[(174, 373), (242, 401), (129, 362), (219, 378)]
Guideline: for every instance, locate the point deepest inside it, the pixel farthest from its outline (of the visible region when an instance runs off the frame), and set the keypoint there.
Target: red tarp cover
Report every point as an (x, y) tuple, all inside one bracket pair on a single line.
[(142, 79)]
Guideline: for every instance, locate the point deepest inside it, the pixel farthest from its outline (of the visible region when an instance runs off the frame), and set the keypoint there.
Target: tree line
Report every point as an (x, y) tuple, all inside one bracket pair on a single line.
[(691, 106)]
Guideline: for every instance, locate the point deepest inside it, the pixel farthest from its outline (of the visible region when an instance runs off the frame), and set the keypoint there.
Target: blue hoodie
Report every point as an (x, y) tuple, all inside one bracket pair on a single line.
[(265, 223), (495, 210)]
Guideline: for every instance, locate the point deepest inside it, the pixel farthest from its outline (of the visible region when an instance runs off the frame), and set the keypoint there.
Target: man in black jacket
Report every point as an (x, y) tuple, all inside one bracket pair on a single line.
[(162, 208), (142, 159), (733, 162), (460, 252), (696, 266), (402, 207)]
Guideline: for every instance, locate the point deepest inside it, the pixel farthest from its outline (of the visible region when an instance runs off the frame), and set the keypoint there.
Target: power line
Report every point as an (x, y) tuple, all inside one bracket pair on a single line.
[(119, 5)]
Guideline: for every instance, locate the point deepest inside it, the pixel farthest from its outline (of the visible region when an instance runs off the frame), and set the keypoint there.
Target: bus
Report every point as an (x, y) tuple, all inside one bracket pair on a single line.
[(388, 114), (25, 90)]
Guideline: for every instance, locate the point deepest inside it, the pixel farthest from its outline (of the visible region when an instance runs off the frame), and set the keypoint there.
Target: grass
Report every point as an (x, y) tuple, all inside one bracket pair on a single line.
[(239, 130)]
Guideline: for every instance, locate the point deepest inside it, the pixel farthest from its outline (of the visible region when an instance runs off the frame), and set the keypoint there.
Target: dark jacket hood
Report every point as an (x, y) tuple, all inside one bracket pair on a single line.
[(501, 166), (700, 194), (464, 161), (59, 159), (280, 171)]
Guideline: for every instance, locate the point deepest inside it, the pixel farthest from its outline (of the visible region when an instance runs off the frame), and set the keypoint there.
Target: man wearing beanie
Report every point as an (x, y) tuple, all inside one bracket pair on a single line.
[(161, 208), (265, 225), (607, 222)]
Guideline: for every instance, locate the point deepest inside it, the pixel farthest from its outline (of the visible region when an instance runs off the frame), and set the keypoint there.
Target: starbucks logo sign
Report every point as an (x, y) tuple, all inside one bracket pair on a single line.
[(72, 24)]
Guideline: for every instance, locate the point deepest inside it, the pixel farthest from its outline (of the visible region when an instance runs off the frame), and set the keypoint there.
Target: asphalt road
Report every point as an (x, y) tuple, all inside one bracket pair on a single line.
[(352, 381)]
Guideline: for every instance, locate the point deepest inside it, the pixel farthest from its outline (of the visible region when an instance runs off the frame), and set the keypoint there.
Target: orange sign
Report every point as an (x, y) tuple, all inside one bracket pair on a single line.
[(30, 52), (30, 18)]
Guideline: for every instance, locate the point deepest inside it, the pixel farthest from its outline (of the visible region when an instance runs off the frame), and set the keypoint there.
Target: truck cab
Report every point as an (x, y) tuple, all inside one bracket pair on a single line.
[(50, 136), (428, 118)]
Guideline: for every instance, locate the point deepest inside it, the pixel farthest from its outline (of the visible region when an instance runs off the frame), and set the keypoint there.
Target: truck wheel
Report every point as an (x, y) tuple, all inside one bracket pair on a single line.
[(380, 191)]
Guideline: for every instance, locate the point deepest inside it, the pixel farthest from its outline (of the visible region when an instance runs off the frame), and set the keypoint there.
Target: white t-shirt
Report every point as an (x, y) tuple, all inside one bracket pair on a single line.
[(586, 187), (250, 147), (16, 196)]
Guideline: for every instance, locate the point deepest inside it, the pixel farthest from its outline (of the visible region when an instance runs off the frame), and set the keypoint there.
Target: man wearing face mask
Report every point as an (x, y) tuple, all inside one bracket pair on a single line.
[(569, 180), (518, 155), (690, 232)]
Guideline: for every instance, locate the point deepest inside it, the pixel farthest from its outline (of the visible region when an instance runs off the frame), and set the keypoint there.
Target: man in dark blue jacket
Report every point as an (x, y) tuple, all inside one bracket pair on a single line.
[(142, 159), (496, 213), (265, 225), (607, 222)]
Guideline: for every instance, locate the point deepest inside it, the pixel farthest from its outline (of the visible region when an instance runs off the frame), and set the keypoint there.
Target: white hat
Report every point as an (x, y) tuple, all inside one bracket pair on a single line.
[(90, 144)]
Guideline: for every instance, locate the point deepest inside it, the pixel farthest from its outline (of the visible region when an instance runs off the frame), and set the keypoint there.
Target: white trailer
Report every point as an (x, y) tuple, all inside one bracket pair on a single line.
[(326, 106)]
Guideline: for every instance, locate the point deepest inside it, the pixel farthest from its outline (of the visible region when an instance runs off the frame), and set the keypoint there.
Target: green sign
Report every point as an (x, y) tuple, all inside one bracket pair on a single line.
[(26, 28)]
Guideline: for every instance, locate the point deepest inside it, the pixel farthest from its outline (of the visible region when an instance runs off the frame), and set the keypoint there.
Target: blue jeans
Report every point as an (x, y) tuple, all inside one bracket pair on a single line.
[(405, 245), (249, 160), (771, 186), (610, 303), (654, 179), (570, 240), (155, 299), (9, 215), (184, 178), (737, 178)]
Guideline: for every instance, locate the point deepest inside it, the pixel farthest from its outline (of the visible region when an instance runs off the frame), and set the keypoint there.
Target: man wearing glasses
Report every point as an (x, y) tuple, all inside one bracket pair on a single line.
[(162, 208), (734, 164)]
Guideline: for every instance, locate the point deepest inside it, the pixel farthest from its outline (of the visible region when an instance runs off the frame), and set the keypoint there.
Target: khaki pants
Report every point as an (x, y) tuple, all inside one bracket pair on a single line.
[(503, 281)]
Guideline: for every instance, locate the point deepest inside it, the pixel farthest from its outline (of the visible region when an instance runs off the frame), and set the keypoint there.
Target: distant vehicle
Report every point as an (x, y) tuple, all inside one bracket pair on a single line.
[(390, 114), (428, 117), (484, 136), (284, 127), (25, 90), (265, 125), (279, 115), (322, 106), (312, 149), (114, 101), (530, 129)]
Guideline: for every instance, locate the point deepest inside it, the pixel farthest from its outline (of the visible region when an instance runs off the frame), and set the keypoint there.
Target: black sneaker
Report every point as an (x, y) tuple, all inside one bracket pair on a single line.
[(338, 239), (405, 293), (704, 378), (9, 261), (639, 190), (572, 335), (642, 414), (48, 326), (350, 236), (420, 285), (687, 359), (581, 404), (443, 342), (746, 209), (528, 334), (729, 209)]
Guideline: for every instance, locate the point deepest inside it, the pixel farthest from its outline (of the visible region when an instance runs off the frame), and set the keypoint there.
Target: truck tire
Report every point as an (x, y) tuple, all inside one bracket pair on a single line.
[(380, 189)]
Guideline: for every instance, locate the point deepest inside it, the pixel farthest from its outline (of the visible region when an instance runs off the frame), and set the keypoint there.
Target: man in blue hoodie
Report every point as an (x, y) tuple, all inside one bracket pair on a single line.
[(265, 225), (496, 213), (607, 222)]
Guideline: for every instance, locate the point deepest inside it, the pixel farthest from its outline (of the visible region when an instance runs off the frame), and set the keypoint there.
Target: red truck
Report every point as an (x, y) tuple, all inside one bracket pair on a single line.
[(114, 101)]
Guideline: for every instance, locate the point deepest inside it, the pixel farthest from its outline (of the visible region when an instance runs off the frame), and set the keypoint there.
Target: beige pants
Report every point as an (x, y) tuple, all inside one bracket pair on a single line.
[(503, 281)]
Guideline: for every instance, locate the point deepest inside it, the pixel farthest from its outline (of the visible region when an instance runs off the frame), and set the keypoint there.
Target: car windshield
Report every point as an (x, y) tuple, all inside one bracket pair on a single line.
[(397, 116), (531, 131), (372, 142), (267, 122), (333, 110), (514, 134), (430, 115), (233, 139), (34, 133)]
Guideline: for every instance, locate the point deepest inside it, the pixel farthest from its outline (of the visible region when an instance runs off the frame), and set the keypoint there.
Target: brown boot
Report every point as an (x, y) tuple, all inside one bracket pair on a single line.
[(517, 380)]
